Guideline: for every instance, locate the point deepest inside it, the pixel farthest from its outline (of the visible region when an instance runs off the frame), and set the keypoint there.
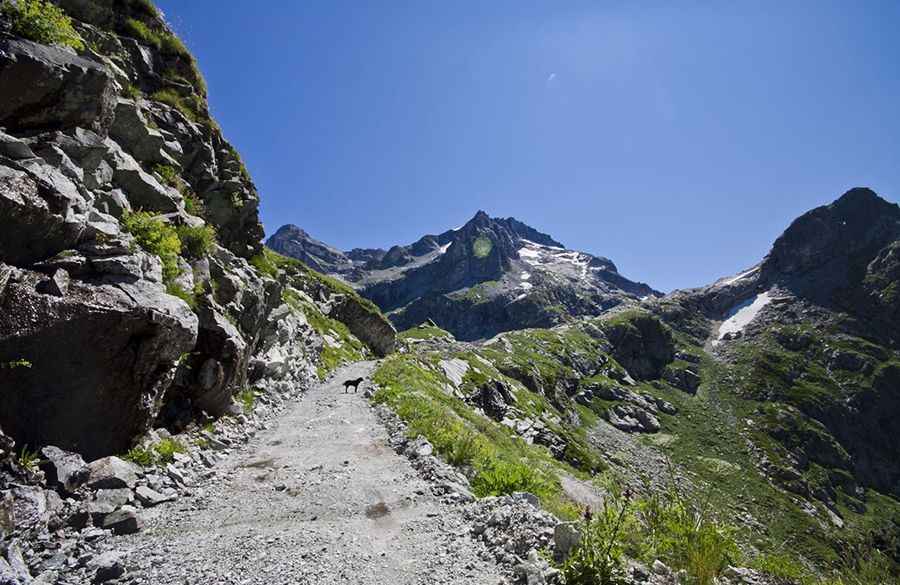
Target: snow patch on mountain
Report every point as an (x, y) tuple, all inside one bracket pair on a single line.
[(741, 315)]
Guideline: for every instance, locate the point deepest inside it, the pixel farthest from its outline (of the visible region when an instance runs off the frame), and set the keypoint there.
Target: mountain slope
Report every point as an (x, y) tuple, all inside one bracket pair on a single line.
[(487, 276), (770, 397)]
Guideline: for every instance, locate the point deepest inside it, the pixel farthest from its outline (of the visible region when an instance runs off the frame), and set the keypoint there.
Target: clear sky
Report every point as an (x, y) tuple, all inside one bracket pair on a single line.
[(676, 138)]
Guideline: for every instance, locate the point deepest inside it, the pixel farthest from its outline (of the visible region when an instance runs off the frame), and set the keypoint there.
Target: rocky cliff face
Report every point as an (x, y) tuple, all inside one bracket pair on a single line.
[(126, 295), (487, 276)]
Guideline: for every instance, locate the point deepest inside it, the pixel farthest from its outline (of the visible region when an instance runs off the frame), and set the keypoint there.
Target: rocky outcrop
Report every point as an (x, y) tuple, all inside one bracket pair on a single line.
[(45, 88), (641, 343), (151, 327), (107, 343)]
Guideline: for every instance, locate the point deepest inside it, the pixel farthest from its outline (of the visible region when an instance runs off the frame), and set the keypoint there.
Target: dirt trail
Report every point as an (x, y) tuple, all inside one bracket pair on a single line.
[(319, 498)]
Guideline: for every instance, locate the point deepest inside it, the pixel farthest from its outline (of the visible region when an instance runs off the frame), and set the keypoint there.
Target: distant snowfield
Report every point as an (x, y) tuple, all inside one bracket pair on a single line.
[(445, 246), (741, 315), (539, 256)]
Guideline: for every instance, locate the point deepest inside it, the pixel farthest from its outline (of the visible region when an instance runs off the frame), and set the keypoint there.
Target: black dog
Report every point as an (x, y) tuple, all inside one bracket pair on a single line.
[(354, 383)]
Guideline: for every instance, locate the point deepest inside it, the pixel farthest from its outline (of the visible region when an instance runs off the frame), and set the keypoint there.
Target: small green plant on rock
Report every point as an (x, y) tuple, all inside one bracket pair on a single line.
[(247, 398), (141, 456), (19, 363), (41, 21), (165, 450), (196, 242), (156, 237), (28, 459)]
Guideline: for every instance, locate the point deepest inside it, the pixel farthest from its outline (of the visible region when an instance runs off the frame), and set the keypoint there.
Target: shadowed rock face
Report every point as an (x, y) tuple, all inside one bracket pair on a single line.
[(487, 276), (99, 358), (81, 302)]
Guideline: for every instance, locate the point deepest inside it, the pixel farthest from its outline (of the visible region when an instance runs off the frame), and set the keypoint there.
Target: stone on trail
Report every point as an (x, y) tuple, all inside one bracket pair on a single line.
[(111, 473), (125, 520)]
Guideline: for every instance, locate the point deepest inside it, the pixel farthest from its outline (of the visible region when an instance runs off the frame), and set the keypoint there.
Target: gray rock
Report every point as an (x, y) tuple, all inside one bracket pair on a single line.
[(41, 213), (47, 87), (149, 497), (29, 507), (66, 469), (102, 348), (125, 520), (108, 566), (13, 568), (660, 568), (143, 189), (627, 417), (111, 473), (115, 497), (565, 538), (131, 131), (14, 148), (419, 448)]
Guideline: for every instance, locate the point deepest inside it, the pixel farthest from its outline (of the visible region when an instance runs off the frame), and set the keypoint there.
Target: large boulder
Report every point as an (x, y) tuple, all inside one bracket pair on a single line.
[(63, 468), (641, 343), (99, 357), (48, 88), (42, 212)]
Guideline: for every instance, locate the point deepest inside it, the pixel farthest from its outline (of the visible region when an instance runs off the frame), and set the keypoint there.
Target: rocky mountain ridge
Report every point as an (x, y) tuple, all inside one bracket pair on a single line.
[(487, 276)]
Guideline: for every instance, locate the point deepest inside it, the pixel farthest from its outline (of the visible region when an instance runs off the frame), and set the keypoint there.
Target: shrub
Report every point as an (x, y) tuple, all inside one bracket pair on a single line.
[(42, 22), (19, 363), (685, 535), (141, 456), (132, 92), (156, 237), (29, 459), (190, 107), (498, 478), (247, 398), (597, 560), (196, 242), (142, 32), (165, 450), (193, 204), (781, 568)]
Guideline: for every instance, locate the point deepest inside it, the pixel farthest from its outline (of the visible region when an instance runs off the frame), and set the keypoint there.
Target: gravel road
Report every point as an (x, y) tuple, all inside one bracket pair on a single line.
[(317, 498)]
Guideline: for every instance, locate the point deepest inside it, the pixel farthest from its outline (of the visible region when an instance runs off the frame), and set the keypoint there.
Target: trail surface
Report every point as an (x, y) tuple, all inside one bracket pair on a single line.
[(319, 498)]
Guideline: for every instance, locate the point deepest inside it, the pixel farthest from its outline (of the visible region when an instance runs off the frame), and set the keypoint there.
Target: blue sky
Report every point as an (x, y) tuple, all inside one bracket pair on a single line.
[(676, 138)]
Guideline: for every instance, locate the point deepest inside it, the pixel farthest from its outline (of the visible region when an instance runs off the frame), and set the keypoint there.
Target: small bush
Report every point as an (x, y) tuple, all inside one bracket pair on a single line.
[(686, 535), (29, 459), (190, 107), (247, 398), (193, 204), (597, 560), (19, 363), (165, 450), (132, 92), (142, 32), (196, 242), (156, 237), (498, 478), (781, 568), (42, 22), (141, 456)]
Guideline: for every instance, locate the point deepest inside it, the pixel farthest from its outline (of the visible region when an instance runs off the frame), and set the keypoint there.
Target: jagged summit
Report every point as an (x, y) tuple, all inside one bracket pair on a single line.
[(488, 275)]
